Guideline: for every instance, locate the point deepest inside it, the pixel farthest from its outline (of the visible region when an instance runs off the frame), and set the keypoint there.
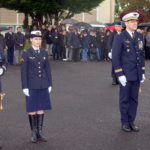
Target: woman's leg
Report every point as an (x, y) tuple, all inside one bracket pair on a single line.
[(33, 124), (40, 120)]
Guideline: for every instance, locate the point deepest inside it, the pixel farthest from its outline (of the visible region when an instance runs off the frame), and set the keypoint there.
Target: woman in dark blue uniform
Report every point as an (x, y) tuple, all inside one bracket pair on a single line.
[(36, 84)]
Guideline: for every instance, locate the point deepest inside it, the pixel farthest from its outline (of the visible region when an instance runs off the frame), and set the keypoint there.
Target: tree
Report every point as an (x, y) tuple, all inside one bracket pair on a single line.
[(128, 5), (43, 11)]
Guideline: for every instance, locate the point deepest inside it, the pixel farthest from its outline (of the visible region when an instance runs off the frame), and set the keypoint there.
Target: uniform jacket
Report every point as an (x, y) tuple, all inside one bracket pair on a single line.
[(128, 56), (35, 69), (111, 39), (10, 39)]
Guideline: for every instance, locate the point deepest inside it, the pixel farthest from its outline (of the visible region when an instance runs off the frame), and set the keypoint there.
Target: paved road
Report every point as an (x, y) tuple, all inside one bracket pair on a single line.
[(85, 113)]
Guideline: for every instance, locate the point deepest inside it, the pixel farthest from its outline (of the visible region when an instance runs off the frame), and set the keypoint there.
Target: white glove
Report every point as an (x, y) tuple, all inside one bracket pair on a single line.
[(110, 55), (122, 80), (26, 92), (49, 89), (143, 78)]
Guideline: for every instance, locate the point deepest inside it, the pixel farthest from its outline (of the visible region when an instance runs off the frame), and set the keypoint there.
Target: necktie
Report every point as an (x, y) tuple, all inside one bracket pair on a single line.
[(37, 51), (133, 36)]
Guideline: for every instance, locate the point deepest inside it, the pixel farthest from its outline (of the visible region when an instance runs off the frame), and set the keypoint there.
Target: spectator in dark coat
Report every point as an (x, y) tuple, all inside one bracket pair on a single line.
[(55, 48), (85, 44), (94, 51), (44, 31), (100, 34), (107, 34), (10, 43), (68, 45), (62, 41), (19, 45), (49, 40), (75, 45)]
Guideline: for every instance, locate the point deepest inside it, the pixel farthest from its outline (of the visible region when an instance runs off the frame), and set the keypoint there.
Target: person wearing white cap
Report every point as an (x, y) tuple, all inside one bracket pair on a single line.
[(128, 62), (36, 84)]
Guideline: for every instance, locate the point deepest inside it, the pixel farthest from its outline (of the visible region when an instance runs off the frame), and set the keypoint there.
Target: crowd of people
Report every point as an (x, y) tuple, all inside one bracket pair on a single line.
[(61, 44), (65, 44), (70, 45)]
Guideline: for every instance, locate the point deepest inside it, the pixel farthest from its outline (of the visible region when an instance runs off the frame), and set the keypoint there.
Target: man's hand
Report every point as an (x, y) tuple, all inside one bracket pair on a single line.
[(122, 80), (26, 92), (49, 89), (110, 55), (143, 78)]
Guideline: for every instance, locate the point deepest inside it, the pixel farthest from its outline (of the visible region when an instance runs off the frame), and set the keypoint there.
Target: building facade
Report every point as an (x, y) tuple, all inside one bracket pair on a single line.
[(103, 13)]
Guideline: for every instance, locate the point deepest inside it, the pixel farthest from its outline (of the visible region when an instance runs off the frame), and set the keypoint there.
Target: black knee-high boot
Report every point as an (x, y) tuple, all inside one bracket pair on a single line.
[(33, 125), (40, 119)]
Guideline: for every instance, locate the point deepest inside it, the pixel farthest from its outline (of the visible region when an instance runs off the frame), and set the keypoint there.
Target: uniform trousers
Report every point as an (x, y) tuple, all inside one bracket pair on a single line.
[(129, 101)]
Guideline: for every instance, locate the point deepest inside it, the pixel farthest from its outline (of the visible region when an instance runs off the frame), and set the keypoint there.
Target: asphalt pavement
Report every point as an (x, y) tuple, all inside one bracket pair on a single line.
[(85, 114)]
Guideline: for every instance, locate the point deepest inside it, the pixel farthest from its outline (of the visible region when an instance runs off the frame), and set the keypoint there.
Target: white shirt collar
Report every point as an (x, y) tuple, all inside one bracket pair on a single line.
[(118, 32), (35, 48), (130, 32)]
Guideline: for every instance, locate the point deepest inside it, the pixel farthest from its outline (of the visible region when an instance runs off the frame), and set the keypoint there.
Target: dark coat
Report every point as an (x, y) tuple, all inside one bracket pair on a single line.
[(85, 41), (110, 40), (68, 39), (44, 32), (49, 38), (19, 39), (75, 41), (128, 56), (10, 39), (62, 40), (93, 42), (100, 39), (55, 38), (35, 70)]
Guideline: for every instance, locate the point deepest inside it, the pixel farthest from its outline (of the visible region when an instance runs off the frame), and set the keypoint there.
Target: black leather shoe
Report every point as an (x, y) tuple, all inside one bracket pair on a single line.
[(34, 136), (114, 81), (40, 119), (40, 137), (33, 125), (134, 128), (126, 128)]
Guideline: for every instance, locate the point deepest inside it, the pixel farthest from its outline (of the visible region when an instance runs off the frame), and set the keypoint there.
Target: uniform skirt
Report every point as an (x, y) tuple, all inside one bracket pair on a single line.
[(39, 99)]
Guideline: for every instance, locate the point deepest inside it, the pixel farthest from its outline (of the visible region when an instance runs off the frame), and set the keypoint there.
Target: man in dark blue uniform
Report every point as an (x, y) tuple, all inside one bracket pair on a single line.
[(118, 28), (36, 84), (128, 62)]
